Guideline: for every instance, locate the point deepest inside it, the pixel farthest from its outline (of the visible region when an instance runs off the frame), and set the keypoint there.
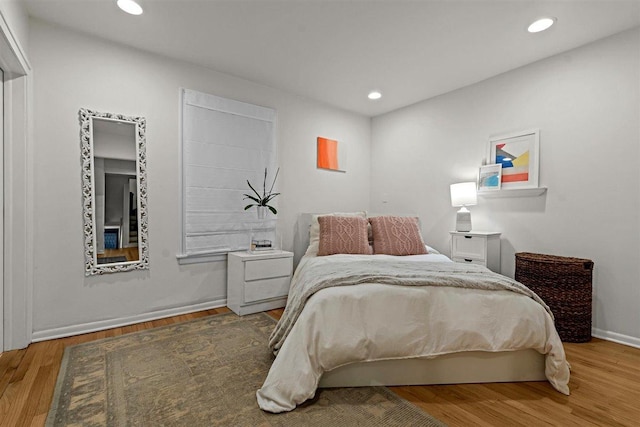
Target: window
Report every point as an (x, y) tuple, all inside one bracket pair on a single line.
[(224, 144)]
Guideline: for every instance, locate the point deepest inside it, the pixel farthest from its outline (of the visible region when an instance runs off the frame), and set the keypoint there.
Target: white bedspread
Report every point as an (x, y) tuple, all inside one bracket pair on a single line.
[(347, 324)]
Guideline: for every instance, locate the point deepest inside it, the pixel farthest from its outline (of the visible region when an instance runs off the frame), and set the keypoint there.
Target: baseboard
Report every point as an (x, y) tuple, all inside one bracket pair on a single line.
[(616, 337), (67, 331)]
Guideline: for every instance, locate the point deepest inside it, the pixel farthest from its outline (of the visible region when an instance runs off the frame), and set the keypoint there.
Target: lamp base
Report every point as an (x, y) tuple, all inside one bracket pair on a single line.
[(463, 220)]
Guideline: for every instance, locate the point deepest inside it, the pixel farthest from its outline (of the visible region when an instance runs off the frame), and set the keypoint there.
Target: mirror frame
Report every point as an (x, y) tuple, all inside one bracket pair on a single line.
[(91, 266)]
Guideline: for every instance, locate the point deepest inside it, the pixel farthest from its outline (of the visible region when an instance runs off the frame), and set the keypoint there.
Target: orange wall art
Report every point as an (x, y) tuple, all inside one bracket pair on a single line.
[(331, 155)]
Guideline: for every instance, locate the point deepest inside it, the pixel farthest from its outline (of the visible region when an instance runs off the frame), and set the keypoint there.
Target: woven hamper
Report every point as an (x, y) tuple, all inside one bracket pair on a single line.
[(563, 283)]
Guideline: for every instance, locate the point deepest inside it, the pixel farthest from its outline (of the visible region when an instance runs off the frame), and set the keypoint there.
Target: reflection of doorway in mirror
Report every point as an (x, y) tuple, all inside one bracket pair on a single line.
[(119, 219)]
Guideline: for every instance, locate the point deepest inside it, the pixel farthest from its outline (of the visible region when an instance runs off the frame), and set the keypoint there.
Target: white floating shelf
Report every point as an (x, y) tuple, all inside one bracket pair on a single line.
[(514, 192)]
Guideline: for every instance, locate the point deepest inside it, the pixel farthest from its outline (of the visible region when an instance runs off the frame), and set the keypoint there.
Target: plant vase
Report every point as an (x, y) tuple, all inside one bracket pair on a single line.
[(262, 212)]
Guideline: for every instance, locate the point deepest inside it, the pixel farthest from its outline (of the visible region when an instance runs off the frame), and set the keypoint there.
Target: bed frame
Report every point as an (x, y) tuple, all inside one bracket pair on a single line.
[(456, 368)]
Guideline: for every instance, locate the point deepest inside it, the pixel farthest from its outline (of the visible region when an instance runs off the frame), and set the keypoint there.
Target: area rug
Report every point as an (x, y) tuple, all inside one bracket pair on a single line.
[(202, 373), (111, 259)]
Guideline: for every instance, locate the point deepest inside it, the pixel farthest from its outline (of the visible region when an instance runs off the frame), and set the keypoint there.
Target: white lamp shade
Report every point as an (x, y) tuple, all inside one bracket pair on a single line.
[(464, 194)]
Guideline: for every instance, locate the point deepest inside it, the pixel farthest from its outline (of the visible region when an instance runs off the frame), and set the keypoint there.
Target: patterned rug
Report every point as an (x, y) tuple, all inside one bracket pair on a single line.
[(111, 259), (202, 373)]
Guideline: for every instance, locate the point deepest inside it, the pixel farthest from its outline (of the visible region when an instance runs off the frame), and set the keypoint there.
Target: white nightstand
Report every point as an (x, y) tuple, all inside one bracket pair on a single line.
[(258, 281), (476, 247)]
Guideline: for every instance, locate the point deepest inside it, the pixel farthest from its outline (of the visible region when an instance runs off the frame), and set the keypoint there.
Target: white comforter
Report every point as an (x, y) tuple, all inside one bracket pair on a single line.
[(347, 324)]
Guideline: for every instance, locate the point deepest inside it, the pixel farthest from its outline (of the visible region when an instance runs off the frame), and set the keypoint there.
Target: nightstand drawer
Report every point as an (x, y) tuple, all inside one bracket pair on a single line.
[(466, 246), (267, 268), (476, 247), (258, 290), (470, 261)]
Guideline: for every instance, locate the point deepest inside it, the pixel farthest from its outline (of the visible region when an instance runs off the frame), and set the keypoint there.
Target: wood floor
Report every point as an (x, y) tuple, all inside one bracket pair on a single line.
[(130, 253), (605, 387)]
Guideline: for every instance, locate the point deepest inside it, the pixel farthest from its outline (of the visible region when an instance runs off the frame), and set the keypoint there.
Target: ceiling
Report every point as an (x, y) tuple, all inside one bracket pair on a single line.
[(338, 51)]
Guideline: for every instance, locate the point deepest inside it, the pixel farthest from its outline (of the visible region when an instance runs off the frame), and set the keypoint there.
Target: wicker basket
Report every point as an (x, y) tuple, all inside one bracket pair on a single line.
[(565, 285)]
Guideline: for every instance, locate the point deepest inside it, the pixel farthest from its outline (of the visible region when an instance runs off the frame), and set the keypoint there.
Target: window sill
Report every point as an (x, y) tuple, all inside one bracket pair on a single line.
[(197, 258)]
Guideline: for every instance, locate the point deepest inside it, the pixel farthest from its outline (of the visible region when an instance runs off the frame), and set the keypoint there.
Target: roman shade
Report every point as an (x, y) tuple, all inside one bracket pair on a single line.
[(224, 144)]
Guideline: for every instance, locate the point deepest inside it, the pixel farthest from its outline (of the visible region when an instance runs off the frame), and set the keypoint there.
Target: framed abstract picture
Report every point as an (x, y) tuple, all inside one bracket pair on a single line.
[(489, 178), (331, 155), (518, 154)]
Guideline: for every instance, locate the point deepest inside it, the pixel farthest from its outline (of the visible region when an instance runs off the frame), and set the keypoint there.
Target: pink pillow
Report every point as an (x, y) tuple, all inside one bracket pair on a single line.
[(395, 235), (343, 235)]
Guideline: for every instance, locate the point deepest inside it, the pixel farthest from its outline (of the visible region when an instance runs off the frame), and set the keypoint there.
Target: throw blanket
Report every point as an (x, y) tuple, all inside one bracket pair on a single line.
[(314, 276)]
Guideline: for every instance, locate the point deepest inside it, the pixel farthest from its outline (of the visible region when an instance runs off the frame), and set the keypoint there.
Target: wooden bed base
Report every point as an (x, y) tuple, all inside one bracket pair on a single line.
[(456, 368)]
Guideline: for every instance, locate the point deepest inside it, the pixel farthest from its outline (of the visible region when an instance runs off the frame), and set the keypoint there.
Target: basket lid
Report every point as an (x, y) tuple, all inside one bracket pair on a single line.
[(530, 256)]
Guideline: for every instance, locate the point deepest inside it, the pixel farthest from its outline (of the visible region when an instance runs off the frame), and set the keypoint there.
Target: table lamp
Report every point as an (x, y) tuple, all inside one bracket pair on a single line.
[(463, 194)]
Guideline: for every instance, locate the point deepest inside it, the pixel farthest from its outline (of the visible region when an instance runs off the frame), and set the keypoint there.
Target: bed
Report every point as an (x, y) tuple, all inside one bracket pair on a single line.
[(363, 319)]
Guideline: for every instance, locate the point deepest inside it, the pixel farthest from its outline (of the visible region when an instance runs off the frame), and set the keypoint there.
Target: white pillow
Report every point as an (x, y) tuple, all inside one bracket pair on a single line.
[(314, 229)]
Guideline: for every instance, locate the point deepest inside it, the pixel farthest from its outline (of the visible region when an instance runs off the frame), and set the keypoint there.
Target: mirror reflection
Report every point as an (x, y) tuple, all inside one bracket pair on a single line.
[(116, 216), (114, 192)]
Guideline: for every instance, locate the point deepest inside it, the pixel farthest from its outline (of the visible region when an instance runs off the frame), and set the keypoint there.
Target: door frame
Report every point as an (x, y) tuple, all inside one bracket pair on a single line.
[(16, 282), (2, 210)]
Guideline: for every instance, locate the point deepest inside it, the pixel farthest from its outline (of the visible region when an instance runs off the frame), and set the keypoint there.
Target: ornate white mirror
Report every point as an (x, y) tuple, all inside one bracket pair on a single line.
[(114, 192)]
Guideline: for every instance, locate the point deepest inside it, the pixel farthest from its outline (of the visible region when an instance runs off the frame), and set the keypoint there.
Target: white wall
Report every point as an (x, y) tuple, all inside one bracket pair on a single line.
[(586, 103), (114, 141), (73, 71), (15, 16)]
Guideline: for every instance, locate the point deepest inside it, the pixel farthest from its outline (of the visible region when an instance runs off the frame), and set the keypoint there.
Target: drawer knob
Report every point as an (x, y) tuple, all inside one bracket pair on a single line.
[(468, 237), (468, 260)]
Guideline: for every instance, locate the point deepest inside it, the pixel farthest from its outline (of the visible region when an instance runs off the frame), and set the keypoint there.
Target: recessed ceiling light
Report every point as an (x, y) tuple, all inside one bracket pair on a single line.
[(541, 25), (130, 7), (374, 94)]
